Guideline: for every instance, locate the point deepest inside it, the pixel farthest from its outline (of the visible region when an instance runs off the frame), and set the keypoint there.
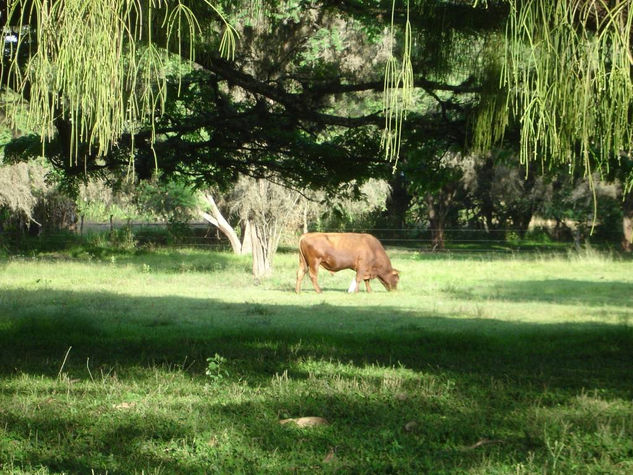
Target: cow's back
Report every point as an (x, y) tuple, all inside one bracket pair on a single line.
[(350, 242)]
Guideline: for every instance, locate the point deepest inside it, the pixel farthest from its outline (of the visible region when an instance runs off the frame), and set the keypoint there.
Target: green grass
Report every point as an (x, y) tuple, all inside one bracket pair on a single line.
[(488, 364)]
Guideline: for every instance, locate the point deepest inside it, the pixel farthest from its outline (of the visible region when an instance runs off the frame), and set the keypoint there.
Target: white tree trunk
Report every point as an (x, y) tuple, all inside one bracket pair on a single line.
[(216, 218), (247, 244), (261, 261)]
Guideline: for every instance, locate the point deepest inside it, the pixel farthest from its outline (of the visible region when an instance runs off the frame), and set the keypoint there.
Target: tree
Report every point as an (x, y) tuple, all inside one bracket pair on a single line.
[(619, 170), (265, 210), (31, 198), (20, 185), (268, 209), (302, 98), (435, 182), (570, 201), (503, 193), (593, 36), (217, 219), (627, 223), (354, 207), (173, 201)]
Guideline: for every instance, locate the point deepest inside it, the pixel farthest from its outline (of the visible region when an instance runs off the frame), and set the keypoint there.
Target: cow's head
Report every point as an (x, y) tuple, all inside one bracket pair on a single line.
[(390, 279)]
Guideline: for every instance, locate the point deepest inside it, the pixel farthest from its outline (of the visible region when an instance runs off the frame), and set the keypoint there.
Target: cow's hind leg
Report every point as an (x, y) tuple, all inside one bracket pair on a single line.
[(367, 286), (314, 273), (300, 273)]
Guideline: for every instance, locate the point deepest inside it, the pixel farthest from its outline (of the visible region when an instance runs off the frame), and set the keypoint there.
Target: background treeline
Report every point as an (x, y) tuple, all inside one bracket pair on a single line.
[(483, 202)]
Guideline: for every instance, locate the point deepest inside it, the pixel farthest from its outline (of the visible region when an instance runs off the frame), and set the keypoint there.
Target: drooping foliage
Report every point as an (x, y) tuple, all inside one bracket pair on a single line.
[(568, 70), (97, 64), (398, 89)]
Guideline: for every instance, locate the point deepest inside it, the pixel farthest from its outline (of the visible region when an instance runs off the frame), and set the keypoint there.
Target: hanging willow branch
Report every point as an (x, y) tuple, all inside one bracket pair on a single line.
[(398, 91), (95, 63), (568, 69)]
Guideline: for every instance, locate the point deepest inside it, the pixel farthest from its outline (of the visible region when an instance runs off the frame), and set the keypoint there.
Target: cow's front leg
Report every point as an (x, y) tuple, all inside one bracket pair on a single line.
[(314, 273), (367, 286), (353, 287)]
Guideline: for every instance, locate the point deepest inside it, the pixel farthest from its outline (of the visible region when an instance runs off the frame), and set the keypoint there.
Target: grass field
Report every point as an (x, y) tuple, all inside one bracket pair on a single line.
[(175, 361)]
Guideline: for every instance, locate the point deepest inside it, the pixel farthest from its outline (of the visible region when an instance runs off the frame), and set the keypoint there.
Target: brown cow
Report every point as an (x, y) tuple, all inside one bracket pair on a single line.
[(336, 251)]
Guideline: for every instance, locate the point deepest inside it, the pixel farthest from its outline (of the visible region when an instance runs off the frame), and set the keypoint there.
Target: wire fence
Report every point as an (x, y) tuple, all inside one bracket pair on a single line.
[(203, 235)]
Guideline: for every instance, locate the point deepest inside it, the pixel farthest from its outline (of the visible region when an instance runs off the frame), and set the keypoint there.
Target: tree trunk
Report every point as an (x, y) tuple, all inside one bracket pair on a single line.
[(437, 235), (222, 224), (398, 202), (436, 222), (247, 239), (439, 206), (627, 223), (521, 221), (261, 259)]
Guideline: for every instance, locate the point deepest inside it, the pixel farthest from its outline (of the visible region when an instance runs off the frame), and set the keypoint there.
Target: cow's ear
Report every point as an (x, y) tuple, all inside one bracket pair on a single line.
[(395, 271)]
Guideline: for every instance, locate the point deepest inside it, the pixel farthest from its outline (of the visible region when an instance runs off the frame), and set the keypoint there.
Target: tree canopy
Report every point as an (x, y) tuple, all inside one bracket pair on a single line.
[(301, 98)]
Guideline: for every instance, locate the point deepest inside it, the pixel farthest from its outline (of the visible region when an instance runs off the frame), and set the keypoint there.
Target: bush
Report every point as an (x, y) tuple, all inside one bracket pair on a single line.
[(122, 238), (538, 235), (152, 235)]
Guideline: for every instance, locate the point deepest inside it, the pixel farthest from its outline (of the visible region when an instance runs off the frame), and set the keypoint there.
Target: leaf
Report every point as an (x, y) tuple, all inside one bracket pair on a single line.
[(330, 457), (481, 443), (306, 421)]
